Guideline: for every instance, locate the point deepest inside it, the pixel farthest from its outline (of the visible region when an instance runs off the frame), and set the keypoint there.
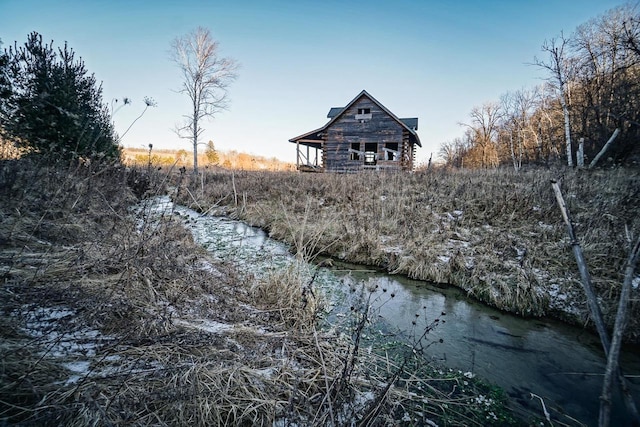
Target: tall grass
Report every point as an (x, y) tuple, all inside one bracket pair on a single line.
[(495, 233)]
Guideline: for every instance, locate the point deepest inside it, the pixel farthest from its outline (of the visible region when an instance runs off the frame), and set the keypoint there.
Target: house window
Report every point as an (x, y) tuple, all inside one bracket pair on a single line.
[(354, 152), (370, 153), (364, 114), (391, 151)]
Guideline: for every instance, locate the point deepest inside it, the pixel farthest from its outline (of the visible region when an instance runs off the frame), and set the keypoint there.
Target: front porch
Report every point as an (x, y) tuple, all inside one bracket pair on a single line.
[(309, 156)]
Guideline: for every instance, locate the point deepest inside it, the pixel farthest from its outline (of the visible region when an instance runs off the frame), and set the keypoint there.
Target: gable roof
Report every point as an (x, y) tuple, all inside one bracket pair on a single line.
[(411, 122), (335, 112)]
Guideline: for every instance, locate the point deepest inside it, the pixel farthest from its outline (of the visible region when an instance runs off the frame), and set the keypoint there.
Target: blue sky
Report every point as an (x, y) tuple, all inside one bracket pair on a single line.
[(434, 60)]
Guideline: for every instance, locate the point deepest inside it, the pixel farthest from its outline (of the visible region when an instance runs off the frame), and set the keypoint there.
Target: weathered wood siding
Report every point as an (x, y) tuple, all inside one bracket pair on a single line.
[(379, 130), (407, 152)]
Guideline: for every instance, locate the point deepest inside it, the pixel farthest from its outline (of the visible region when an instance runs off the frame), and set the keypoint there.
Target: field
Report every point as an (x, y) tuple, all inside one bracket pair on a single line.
[(219, 160), (497, 234)]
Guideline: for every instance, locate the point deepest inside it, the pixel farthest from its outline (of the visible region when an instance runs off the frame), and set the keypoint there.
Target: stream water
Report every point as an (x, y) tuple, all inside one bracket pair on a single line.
[(563, 365)]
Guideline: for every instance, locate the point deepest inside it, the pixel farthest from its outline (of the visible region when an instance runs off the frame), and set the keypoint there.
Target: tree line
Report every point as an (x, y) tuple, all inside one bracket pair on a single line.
[(588, 102), (211, 158)]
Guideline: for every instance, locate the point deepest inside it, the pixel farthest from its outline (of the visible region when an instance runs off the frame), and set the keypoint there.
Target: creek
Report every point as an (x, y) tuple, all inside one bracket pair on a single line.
[(561, 364)]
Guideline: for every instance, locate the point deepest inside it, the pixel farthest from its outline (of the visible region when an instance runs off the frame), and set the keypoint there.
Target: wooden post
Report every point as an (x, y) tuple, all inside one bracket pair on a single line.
[(298, 155), (580, 154)]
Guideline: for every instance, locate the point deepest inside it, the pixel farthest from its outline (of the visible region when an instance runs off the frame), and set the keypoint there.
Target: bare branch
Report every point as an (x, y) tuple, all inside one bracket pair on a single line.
[(612, 367), (596, 313), (560, 69)]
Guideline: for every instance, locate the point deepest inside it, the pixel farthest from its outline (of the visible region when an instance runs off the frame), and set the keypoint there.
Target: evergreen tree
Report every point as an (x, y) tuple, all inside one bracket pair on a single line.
[(53, 106), (212, 154), (5, 88)]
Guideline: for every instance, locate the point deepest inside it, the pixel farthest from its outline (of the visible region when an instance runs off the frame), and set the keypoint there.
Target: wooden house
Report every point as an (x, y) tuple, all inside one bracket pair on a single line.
[(360, 136)]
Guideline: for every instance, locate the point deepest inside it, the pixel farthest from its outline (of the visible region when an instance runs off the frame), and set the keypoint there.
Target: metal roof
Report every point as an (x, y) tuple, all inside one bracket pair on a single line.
[(334, 111), (411, 122)]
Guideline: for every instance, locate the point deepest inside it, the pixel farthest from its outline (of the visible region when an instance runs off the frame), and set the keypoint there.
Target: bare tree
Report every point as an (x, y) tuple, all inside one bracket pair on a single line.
[(559, 67), (631, 35), (607, 95), (205, 79), (484, 129), (517, 127)]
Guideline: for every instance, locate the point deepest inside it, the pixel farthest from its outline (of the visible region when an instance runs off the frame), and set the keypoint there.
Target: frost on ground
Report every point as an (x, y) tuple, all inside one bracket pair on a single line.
[(56, 331)]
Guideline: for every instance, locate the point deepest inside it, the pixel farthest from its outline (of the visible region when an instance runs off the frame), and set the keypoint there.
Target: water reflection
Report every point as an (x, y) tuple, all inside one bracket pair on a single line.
[(561, 364)]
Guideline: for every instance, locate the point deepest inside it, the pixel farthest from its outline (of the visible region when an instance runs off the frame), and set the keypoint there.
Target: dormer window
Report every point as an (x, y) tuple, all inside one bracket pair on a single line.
[(364, 114)]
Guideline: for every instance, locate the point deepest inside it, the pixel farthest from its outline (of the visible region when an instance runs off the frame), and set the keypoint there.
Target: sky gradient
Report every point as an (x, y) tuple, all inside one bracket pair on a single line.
[(434, 60)]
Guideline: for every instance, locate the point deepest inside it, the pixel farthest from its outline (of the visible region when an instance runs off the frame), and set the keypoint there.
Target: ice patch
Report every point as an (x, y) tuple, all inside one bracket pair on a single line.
[(635, 283), (205, 325), (544, 226), (56, 330), (80, 370), (266, 372)]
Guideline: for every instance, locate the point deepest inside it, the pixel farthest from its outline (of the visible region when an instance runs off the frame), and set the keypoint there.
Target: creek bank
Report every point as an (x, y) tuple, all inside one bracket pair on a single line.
[(563, 302), (108, 320), (522, 356), (263, 259), (495, 234)]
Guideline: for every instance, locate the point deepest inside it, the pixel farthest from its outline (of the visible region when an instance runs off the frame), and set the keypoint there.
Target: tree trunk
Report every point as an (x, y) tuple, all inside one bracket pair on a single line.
[(580, 154), (605, 148), (513, 153), (616, 341), (567, 126), (195, 139)]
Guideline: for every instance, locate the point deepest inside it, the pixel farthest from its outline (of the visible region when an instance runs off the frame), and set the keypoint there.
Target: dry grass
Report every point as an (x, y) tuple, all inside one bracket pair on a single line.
[(495, 233), (289, 294), (111, 318)]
